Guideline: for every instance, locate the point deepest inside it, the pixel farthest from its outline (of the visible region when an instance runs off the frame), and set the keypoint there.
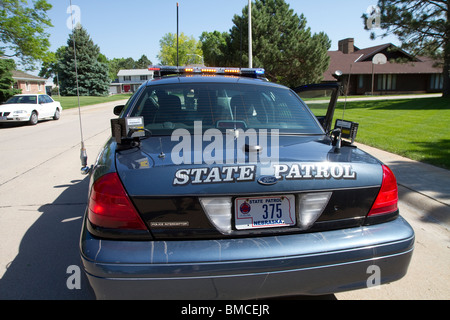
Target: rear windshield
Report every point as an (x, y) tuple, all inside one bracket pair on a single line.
[(223, 106)]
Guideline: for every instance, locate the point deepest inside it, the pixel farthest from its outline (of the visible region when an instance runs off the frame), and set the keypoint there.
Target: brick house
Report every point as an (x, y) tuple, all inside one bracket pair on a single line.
[(412, 75), (28, 83)]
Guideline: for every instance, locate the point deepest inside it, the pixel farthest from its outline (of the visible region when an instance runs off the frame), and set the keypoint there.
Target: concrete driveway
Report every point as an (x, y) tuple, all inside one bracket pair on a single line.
[(43, 197), (42, 201)]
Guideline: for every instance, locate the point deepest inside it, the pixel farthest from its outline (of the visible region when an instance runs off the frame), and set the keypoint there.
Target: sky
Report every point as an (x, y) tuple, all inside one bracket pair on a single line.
[(132, 28)]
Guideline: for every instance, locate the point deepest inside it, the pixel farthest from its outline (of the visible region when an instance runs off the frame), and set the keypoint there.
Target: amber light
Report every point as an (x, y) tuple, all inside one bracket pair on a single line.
[(209, 70), (235, 71)]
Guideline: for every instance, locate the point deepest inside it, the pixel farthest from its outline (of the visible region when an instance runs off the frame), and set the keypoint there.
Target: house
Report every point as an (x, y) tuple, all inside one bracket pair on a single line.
[(28, 83), (402, 73), (129, 80)]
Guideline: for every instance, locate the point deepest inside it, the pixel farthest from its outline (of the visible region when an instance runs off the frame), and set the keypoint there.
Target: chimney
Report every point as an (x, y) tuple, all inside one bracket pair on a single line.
[(346, 45)]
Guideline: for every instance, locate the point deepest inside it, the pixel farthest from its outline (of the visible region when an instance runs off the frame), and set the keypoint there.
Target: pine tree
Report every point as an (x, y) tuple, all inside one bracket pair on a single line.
[(143, 62), (282, 44), (93, 79)]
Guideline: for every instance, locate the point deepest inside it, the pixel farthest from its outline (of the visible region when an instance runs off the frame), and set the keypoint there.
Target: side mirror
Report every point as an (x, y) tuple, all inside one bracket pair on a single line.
[(118, 109)]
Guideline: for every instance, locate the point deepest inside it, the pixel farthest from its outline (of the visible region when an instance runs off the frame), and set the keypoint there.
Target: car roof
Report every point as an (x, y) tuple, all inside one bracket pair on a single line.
[(197, 78), (30, 94)]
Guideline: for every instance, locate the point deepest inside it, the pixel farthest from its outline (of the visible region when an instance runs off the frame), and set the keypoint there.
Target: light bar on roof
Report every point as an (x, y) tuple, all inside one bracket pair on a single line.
[(246, 72)]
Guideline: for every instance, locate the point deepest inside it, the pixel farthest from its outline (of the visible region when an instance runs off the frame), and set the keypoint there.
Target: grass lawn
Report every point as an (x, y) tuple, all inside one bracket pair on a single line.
[(418, 129), (72, 102)]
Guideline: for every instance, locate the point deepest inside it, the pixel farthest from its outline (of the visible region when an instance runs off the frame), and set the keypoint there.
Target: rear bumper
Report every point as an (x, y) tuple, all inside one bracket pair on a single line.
[(301, 264)]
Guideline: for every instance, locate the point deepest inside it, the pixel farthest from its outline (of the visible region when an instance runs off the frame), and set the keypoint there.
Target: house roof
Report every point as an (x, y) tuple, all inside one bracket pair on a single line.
[(20, 75), (134, 72), (360, 62)]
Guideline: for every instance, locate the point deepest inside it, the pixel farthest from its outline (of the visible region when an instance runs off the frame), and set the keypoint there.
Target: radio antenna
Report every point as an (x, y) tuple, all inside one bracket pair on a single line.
[(177, 36), (83, 154), (346, 91), (348, 85), (339, 138)]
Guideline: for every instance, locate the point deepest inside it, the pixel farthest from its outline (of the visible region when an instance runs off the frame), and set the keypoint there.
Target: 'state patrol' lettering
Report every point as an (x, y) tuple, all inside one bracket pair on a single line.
[(244, 173)]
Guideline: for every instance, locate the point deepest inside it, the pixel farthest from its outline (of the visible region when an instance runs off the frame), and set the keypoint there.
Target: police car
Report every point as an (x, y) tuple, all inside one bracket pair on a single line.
[(218, 184)]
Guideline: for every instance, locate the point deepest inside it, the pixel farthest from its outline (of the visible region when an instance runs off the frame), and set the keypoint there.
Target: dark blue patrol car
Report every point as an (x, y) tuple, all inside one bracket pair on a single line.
[(218, 184)]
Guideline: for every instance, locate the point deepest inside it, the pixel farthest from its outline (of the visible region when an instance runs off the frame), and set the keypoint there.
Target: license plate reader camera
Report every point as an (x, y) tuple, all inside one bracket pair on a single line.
[(127, 129)]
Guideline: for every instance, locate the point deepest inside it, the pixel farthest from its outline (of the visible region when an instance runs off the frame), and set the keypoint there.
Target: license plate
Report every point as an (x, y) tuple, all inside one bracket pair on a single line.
[(2, 118), (264, 212)]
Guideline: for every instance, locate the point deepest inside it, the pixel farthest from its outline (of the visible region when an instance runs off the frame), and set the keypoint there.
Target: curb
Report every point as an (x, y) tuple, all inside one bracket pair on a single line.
[(428, 209), (424, 187)]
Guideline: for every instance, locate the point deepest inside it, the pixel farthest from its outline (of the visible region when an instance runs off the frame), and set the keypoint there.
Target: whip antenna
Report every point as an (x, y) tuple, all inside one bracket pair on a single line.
[(352, 125), (348, 85), (83, 154), (177, 35)]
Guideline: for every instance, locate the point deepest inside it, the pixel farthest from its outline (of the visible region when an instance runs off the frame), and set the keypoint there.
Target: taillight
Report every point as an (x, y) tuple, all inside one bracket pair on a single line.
[(110, 206), (386, 201)]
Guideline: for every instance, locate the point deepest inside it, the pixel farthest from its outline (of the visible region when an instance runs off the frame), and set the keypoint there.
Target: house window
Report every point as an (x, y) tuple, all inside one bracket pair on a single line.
[(360, 81), (27, 86), (126, 78), (39, 87), (144, 78), (387, 82), (437, 81)]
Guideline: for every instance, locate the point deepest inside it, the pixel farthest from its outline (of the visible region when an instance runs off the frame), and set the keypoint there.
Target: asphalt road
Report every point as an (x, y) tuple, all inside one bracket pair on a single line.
[(43, 197)]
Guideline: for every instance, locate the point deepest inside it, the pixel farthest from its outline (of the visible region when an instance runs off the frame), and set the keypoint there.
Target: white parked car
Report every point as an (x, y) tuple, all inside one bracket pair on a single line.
[(30, 108)]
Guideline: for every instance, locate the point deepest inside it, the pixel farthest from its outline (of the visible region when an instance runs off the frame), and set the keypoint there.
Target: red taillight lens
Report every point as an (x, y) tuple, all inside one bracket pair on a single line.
[(110, 207), (386, 201)]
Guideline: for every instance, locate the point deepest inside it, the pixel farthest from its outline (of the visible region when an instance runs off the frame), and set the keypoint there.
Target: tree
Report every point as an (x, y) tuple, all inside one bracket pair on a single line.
[(282, 44), (117, 64), (49, 68), (6, 80), (143, 62), (93, 76), (189, 50), (215, 48), (422, 26), (22, 30)]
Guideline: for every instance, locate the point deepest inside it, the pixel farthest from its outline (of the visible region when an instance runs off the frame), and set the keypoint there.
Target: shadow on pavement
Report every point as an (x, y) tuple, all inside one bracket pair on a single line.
[(48, 248)]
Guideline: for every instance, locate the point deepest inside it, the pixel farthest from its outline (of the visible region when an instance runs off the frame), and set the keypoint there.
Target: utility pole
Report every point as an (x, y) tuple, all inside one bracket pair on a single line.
[(250, 50)]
